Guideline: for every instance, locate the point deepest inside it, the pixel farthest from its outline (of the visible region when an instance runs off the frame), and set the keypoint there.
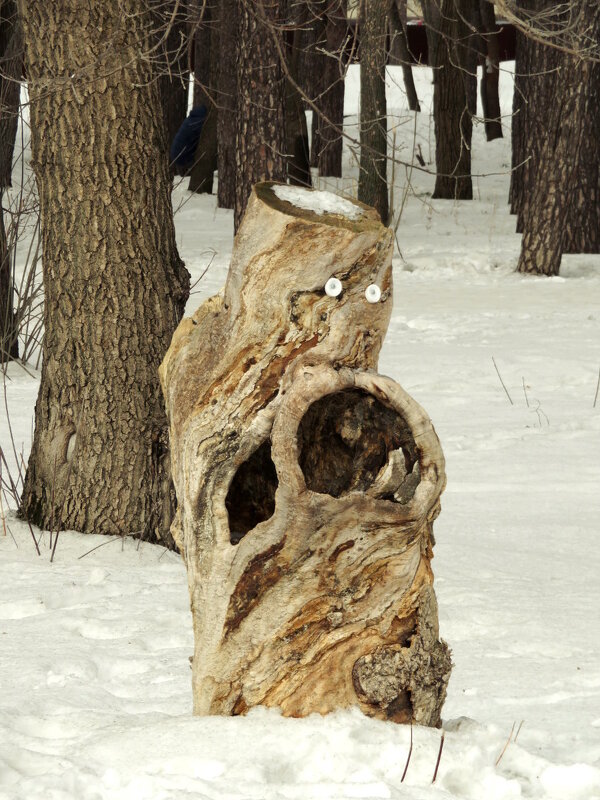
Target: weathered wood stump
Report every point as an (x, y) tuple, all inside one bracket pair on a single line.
[(307, 483)]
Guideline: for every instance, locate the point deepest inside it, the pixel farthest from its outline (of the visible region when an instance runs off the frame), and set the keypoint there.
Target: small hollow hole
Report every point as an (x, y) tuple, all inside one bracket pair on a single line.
[(251, 496), (344, 440)]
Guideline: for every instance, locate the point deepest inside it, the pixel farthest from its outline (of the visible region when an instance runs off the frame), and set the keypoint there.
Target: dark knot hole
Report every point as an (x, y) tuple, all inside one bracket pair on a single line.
[(251, 496)]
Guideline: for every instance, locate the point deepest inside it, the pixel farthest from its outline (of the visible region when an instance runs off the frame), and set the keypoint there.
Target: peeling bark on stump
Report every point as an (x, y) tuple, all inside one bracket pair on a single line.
[(307, 483)]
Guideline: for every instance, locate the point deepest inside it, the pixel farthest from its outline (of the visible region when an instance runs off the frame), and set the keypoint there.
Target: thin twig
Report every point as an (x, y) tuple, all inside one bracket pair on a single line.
[(525, 392), (597, 388), (502, 382), (439, 758), (506, 745), (408, 757), (518, 730), (108, 541)]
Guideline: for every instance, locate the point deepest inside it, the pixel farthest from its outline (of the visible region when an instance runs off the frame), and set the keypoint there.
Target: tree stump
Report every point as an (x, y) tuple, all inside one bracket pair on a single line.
[(307, 483)]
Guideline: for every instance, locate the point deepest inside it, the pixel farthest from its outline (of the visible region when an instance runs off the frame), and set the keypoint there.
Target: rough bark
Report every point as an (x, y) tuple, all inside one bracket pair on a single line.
[(372, 178), (582, 226), (557, 184), (538, 85), (400, 43), (454, 95), (11, 59), (113, 281), (226, 122), (260, 131), (307, 483), (206, 155)]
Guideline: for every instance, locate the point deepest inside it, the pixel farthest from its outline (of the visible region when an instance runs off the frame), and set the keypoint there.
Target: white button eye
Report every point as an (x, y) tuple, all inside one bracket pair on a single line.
[(333, 287), (373, 293)]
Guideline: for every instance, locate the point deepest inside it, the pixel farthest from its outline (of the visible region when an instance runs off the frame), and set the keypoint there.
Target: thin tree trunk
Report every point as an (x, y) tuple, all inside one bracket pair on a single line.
[(260, 132), (331, 103), (398, 21), (296, 130), (372, 179), (11, 60), (114, 284), (454, 95), (297, 150), (9, 345), (490, 99), (201, 23), (174, 79), (557, 183), (316, 84), (226, 123), (206, 155), (519, 121)]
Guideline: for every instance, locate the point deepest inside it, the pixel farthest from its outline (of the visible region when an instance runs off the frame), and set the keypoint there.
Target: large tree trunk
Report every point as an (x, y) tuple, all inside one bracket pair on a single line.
[(372, 178), (260, 133), (11, 59), (226, 122), (114, 284), (454, 95), (307, 483), (558, 184)]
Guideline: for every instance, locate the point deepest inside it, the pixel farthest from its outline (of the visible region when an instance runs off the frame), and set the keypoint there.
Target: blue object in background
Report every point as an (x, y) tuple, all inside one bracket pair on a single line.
[(186, 139)]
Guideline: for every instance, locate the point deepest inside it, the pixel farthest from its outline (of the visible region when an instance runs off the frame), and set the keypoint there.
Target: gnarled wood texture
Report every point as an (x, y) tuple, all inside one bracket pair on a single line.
[(307, 483)]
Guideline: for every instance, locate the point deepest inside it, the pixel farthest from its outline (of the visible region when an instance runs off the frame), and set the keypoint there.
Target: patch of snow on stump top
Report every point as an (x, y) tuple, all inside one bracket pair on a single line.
[(318, 202)]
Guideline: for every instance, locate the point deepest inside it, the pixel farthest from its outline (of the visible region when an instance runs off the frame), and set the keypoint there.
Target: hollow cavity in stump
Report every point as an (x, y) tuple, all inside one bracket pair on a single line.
[(251, 496), (344, 440)]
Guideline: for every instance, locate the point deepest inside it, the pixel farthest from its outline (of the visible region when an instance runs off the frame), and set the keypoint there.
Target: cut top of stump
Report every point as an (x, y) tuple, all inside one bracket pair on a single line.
[(313, 205)]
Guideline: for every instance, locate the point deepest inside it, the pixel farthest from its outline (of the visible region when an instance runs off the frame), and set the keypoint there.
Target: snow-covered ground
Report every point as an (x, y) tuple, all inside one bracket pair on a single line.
[(94, 672)]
